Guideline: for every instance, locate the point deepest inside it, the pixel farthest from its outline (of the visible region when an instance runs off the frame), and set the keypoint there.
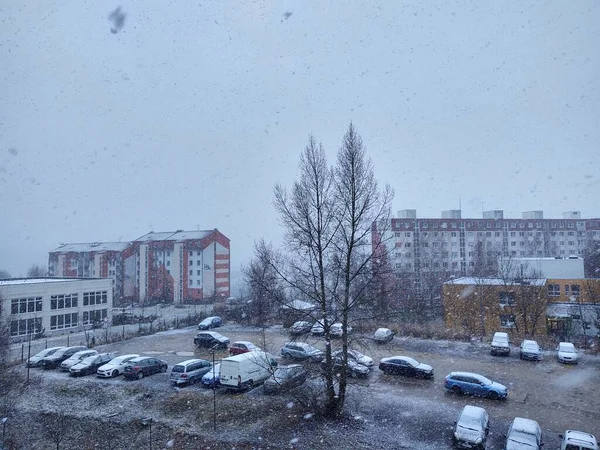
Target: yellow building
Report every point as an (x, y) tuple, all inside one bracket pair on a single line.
[(527, 307)]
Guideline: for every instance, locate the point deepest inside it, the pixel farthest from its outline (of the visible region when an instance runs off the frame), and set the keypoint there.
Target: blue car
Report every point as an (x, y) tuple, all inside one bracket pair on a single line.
[(210, 322), (474, 384), (212, 378)]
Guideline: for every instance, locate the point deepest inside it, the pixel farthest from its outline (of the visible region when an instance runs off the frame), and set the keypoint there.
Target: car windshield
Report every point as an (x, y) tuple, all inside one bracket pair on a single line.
[(89, 360), (522, 438), (178, 369), (469, 421), (412, 362), (530, 346), (566, 348)]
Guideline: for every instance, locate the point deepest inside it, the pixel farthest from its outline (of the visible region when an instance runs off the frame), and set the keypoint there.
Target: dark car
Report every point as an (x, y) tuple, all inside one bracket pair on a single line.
[(143, 366), (285, 377), (404, 365), (301, 350), (210, 322), (239, 347), (530, 350), (91, 364), (211, 339), (53, 361)]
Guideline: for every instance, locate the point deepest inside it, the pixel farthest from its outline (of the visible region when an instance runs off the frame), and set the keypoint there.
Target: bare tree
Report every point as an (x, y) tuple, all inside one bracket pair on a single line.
[(56, 425), (591, 259), (36, 271), (329, 256)]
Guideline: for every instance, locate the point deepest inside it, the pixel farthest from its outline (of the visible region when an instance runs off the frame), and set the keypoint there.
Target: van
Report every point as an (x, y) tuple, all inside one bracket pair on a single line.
[(500, 344), (246, 370)]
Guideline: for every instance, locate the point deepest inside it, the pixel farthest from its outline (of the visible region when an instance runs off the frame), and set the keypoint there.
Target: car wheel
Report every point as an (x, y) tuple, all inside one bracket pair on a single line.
[(114, 374), (140, 375), (456, 389), (419, 375), (493, 395), (163, 369)]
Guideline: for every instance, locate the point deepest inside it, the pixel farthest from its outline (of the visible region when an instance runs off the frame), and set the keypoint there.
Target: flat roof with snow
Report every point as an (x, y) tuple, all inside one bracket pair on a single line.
[(469, 281), (18, 281)]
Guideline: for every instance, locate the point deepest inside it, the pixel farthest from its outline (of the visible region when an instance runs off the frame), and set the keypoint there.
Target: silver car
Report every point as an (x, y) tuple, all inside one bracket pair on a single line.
[(66, 365), (189, 371)]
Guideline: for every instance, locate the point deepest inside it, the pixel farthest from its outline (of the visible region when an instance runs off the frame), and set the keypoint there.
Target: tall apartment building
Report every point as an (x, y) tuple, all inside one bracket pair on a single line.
[(176, 266), (456, 245)]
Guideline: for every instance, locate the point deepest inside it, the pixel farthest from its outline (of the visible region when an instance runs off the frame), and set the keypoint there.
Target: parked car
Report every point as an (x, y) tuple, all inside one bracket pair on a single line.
[(500, 344), (210, 322), (143, 366), (383, 335), (353, 369), (212, 378), (472, 428), (524, 434), (35, 360), (210, 339), (301, 350), (189, 372), (317, 329), (53, 361), (285, 377), (115, 367), (76, 358), (474, 384), (300, 327), (578, 440), (336, 330), (356, 356), (91, 364), (566, 353), (530, 350), (404, 365), (239, 347)]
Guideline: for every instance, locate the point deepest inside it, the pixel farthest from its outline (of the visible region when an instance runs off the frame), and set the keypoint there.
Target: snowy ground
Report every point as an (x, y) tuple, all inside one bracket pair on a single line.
[(384, 411)]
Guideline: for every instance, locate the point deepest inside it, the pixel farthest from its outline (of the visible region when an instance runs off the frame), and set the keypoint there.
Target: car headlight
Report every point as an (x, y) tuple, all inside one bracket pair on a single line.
[(457, 435), (478, 440)]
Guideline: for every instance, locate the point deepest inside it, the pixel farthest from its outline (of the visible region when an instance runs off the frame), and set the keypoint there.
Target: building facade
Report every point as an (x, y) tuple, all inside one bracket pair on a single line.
[(55, 305), (524, 307), (178, 266), (457, 245)]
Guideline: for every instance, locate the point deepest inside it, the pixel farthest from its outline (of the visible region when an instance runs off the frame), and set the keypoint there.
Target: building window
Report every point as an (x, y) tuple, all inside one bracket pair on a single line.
[(63, 321), (199, 282), (198, 272), (95, 316), (506, 298), (95, 298), (507, 321), (398, 266), (567, 290), (407, 244), (25, 305), (168, 263), (453, 234), (25, 326), (63, 301), (198, 262), (513, 243), (554, 290), (407, 234), (575, 290), (191, 262), (191, 272)]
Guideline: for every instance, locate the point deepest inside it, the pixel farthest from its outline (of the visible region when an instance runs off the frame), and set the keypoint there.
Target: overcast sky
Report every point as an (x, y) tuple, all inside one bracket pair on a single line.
[(187, 116)]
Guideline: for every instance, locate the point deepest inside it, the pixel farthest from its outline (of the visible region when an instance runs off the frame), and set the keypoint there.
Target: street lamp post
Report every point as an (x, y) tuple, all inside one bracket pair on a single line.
[(148, 421), (214, 347), (4, 419)]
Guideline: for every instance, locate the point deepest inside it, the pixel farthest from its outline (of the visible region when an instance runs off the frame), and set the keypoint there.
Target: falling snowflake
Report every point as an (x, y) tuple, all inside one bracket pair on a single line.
[(290, 405)]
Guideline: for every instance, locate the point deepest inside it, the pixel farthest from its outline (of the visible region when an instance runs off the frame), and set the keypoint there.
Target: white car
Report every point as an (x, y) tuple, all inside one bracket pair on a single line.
[(566, 353), (524, 434), (34, 361), (115, 367), (383, 335), (76, 358), (336, 330), (578, 440)]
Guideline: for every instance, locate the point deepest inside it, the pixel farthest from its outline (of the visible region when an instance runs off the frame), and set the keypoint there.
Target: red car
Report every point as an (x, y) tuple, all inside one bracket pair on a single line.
[(239, 347)]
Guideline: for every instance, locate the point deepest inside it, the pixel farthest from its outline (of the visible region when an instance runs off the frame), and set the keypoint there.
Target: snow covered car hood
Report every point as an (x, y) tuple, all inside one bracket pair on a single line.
[(425, 367)]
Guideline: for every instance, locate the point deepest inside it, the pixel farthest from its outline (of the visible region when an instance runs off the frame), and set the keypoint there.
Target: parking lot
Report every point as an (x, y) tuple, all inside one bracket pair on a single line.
[(413, 413)]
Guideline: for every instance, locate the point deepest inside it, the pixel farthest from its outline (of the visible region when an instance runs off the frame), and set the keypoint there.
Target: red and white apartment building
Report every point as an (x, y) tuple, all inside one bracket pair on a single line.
[(173, 266)]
